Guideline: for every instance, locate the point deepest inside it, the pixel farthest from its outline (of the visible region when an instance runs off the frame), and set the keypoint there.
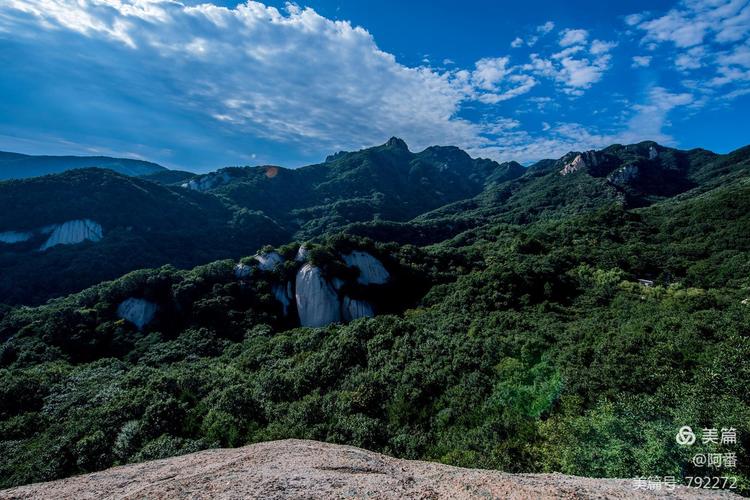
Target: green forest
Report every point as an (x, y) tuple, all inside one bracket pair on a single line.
[(514, 333)]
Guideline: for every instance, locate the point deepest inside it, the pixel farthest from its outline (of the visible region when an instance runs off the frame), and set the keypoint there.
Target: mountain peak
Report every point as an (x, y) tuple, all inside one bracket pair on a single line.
[(397, 143)]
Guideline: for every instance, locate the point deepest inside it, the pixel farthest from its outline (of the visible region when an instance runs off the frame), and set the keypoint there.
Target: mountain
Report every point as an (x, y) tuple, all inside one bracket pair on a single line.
[(291, 469), (570, 317), (61, 233), (387, 182), (64, 232), (20, 166)]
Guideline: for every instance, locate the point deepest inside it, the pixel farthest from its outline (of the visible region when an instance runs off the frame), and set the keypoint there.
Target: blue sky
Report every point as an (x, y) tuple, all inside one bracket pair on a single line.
[(202, 85)]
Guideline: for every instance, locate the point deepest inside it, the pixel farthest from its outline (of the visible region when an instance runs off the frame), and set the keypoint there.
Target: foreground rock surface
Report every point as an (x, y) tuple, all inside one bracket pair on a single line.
[(310, 469)]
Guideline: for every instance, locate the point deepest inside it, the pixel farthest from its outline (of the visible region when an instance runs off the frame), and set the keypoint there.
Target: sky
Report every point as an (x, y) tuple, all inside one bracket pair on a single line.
[(198, 86)]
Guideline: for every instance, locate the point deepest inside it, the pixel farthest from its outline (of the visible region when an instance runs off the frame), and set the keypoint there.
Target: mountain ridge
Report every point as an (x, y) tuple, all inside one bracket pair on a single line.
[(23, 166)]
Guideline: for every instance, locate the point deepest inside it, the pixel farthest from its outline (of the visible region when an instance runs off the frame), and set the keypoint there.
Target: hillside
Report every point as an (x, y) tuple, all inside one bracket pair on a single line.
[(386, 182), (62, 233), (521, 347), (109, 224), (105, 224), (20, 166), (310, 469)]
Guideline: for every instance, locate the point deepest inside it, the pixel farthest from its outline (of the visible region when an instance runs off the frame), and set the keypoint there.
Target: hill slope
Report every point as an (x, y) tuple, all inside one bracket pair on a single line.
[(386, 182), (20, 166), (310, 469), (62, 233)]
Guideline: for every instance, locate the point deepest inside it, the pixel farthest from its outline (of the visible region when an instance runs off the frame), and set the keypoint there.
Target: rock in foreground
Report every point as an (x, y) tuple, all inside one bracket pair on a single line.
[(310, 469)]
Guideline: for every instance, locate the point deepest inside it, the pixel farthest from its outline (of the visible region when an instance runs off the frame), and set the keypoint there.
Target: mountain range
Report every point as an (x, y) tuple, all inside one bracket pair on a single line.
[(153, 216), (20, 166), (568, 316)]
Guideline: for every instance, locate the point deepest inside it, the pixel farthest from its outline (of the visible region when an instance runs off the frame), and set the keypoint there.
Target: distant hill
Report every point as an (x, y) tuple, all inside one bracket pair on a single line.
[(61, 233), (386, 182), (20, 166)]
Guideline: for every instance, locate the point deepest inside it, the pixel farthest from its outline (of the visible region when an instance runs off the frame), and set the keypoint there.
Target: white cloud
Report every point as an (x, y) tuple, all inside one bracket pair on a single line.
[(296, 78), (489, 72), (641, 61), (677, 28), (576, 67), (517, 42), (599, 47), (545, 28), (711, 36), (690, 59), (633, 19), (292, 76), (647, 122), (573, 37)]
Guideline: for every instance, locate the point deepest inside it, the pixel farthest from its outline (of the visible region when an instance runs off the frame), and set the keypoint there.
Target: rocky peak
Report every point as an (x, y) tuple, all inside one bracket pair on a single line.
[(579, 161), (397, 143)]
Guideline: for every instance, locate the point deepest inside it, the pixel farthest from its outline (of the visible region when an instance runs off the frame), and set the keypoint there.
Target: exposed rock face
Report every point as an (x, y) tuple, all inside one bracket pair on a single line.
[(353, 309), (14, 237), (582, 160), (242, 271), (652, 153), (140, 312), (317, 302), (302, 254), (623, 175), (284, 295), (268, 261), (371, 270), (71, 232), (296, 469), (208, 181)]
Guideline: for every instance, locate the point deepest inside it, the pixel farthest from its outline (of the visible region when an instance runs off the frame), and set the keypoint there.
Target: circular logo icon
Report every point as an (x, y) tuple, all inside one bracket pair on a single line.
[(685, 436)]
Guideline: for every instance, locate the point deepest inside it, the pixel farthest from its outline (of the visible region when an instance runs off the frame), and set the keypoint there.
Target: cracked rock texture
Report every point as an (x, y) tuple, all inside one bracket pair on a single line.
[(310, 469)]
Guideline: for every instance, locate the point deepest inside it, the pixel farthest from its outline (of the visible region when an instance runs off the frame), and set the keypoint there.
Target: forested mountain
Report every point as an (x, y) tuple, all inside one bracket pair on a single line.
[(116, 224), (20, 166), (62, 233), (176, 218), (494, 319)]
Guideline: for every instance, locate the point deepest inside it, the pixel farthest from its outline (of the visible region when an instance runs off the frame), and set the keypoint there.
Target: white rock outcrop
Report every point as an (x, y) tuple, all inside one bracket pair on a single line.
[(583, 160), (302, 254), (317, 301), (14, 237), (353, 309), (72, 232), (140, 312), (242, 271), (268, 261), (652, 153), (371, 270), (208, 181), (284, 295)]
